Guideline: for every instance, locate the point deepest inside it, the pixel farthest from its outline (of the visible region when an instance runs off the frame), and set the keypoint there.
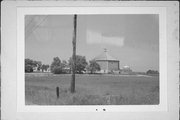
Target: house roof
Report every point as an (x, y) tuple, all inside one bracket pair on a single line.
[(105, 56)]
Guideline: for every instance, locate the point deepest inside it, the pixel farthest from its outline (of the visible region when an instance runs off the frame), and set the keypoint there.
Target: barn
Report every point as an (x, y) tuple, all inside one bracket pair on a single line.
[(107, 63)]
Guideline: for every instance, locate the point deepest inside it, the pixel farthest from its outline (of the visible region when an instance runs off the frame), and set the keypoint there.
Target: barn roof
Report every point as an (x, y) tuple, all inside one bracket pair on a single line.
[(105, 56)]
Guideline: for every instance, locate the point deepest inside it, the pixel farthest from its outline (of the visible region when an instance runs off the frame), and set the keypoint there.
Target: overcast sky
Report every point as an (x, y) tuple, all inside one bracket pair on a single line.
[(133, 39)]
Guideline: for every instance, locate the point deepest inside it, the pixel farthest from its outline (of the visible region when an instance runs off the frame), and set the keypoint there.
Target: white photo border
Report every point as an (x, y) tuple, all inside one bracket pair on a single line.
[(9, 71), (22, 11)]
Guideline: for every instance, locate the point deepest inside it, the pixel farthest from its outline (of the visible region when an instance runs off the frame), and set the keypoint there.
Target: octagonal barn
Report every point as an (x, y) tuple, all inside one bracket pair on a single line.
[(107, 63)]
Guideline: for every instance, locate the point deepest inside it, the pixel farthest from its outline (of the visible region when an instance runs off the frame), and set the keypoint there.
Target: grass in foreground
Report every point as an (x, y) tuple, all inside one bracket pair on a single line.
[(92, 90)]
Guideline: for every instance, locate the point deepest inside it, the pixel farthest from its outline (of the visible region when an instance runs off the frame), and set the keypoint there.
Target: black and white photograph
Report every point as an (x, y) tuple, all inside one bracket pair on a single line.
[(92, 59)]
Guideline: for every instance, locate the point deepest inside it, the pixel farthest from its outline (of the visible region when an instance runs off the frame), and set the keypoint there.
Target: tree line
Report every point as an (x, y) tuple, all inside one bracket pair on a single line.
[(152, 72), (61, 66), (31, 64)]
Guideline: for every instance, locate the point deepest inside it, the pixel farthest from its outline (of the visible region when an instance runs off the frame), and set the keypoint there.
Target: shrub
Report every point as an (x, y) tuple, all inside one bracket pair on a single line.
[(57, 70), (152, 72)]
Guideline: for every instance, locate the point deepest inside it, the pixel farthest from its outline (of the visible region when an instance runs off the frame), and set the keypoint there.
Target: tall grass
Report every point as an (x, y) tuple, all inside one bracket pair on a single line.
[(92, 90), (47, 96)]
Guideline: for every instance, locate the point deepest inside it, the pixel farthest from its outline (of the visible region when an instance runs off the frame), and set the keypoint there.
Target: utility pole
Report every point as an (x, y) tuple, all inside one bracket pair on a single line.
[(74, 55)]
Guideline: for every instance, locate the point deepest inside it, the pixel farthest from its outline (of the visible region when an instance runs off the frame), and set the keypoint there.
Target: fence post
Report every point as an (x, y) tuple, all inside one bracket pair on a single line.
[(57, 92)]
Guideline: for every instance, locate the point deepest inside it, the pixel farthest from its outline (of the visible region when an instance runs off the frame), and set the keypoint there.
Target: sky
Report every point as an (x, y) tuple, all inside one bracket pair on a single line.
[(132, 39)]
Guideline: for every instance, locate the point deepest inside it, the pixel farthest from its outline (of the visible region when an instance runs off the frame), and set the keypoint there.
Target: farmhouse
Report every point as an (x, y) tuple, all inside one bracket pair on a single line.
[(107, 63)]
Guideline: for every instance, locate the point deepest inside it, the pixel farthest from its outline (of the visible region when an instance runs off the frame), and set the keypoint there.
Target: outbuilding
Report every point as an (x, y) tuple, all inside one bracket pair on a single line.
[(107, 63)]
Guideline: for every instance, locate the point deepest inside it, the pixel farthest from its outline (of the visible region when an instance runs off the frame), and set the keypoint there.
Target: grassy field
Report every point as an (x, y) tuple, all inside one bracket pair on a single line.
[(40, 89)]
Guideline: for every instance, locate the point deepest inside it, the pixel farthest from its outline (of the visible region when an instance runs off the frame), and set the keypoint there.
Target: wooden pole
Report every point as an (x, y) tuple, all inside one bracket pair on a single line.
[(74, 56)]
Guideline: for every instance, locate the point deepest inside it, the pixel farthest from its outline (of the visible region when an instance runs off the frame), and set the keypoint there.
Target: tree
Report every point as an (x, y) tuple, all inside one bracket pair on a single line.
[(44, 67), (64, 63), (93, 66), (80, 63), (56, 66), (57, 70), (30, 62), (29, 65), (56, 62), (38, 64)]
